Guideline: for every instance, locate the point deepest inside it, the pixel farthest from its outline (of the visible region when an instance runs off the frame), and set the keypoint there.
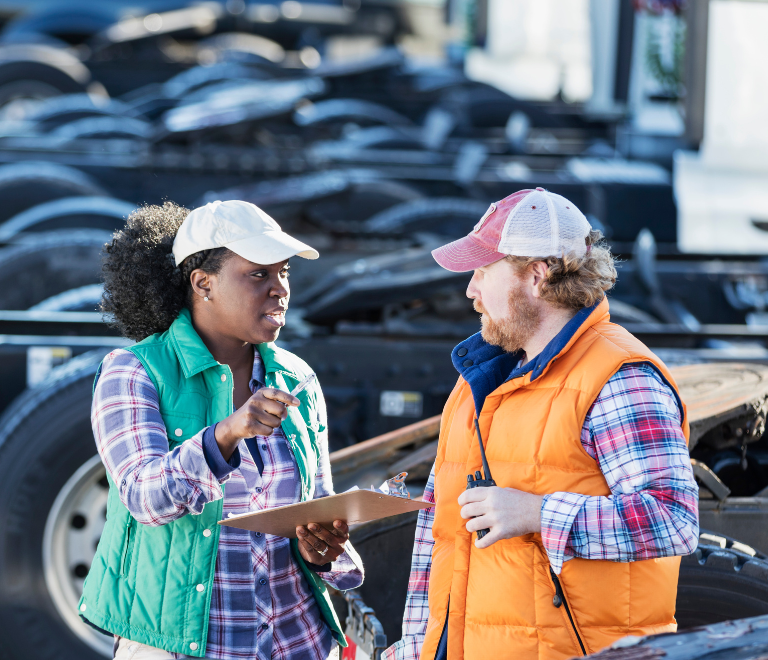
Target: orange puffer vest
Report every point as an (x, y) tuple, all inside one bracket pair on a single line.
[(502, 598)]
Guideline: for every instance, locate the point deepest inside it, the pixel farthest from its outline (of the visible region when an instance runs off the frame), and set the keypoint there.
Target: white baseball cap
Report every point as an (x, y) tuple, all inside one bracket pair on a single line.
[(528, 223), (241, 227)]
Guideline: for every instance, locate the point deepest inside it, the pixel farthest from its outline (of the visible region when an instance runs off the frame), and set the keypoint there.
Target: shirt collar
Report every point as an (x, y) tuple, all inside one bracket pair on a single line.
[(258, 375)]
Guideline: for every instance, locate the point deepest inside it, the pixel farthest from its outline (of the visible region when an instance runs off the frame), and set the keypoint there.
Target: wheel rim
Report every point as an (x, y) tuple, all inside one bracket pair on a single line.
[(72, 533)]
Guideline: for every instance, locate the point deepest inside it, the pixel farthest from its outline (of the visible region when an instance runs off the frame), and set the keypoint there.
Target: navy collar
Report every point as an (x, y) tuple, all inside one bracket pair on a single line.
[(486, 367)]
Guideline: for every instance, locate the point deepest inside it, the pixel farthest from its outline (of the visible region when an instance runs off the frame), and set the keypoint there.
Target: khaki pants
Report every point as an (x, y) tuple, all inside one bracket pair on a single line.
[(127, 650)]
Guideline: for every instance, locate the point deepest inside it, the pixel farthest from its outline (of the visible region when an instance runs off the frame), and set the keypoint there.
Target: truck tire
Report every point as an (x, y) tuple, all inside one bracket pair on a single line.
[(39, 71), (720, 582), (445, 216), (52, 487), (362, 200), (24, 185), (104, 213), (38, 266)]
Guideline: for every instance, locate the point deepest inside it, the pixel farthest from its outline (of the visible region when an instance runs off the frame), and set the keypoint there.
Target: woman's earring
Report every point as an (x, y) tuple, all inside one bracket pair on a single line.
[(206, 299)]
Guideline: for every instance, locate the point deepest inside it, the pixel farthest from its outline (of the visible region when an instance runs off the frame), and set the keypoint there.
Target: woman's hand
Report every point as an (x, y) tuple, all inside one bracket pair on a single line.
[(262, 413), (319, 545)]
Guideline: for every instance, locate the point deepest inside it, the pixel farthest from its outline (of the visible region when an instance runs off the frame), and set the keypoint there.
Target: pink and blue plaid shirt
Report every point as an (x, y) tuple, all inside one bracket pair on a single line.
[(261, 604), (633, 431)]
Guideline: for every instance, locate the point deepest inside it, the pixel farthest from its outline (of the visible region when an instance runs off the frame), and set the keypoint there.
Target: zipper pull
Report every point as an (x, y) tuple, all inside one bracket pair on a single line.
[(557, 599)]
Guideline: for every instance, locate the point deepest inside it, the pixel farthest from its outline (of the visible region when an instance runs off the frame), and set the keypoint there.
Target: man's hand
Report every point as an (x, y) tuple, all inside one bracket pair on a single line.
[(319, 545), (262, 413), (505, 511)]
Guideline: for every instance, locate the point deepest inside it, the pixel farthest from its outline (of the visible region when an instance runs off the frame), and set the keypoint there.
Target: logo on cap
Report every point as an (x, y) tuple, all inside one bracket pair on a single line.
[(488, 213)]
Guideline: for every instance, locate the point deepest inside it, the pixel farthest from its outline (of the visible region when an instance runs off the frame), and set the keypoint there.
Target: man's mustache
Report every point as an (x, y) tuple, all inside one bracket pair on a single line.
[(478, 306)]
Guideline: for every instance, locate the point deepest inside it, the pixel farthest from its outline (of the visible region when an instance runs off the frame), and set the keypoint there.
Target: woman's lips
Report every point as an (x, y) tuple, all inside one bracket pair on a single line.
[(277, 318)]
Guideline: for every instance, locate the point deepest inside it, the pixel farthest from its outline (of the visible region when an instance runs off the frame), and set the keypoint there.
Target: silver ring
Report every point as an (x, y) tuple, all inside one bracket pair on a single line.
[(322, 554)]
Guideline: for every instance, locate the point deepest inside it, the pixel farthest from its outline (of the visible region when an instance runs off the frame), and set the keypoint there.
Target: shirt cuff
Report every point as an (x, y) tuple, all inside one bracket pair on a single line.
[(558, 512), (346, 572), (220, 468)]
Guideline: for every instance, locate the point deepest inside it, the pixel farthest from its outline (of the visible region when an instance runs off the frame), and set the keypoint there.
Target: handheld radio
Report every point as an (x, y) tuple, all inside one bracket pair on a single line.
[(478, 481)]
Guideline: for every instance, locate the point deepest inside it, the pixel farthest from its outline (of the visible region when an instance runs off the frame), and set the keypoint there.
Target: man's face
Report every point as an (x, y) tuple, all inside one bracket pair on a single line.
[(510, 312)]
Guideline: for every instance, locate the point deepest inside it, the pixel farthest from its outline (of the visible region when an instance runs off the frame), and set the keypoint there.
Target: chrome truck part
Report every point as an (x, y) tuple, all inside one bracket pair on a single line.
[(72, 532), (363, 630)]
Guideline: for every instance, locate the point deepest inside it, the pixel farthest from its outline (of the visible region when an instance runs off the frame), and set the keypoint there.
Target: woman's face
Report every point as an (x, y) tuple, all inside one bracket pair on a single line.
[(249, 300)]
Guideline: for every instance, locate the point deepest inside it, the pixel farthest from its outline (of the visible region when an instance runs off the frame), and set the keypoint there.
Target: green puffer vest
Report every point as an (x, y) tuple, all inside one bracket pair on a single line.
[(143, 582)]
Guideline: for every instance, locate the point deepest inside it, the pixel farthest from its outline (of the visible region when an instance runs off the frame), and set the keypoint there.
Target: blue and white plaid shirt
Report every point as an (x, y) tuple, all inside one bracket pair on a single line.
[(261, 605)]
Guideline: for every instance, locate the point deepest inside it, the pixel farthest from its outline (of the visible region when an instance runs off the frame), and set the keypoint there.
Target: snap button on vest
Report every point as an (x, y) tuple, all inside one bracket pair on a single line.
[(193, 646), (178, 432), (223, 378), (200, 587), (467, 363), (82, 607), (206, 533), (461, 352)]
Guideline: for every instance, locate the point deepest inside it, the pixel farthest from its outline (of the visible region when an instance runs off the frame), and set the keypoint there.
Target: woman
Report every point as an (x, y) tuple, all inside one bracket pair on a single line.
[(194, 423)]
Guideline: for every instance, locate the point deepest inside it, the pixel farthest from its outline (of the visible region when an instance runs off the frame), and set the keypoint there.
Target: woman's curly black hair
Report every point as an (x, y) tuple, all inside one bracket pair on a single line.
[(144, 290)]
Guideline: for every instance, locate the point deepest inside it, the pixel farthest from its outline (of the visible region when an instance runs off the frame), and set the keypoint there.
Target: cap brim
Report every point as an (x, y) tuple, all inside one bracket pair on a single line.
[(465, 255), (271, 247)]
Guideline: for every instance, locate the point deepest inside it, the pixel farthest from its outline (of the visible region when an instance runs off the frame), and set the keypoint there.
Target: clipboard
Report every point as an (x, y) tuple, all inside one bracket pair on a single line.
[(355, 506)]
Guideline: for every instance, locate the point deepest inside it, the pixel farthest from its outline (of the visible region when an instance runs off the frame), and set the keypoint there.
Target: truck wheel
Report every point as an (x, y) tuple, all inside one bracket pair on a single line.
[(105, 213), (24, 185), (40, 265), (35, 71), (722, 580), (444, 216), (53, 489)]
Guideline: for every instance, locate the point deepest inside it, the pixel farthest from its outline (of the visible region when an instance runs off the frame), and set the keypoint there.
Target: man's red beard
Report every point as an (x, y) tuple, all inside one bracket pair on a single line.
[(512, 333)]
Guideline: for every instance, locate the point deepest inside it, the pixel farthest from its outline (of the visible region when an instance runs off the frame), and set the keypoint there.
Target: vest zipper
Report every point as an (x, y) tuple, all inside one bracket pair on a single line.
[(559, 600), (124, 563)]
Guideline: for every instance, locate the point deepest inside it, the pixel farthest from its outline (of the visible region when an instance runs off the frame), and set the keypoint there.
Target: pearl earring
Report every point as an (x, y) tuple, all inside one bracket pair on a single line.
[(206, 299)]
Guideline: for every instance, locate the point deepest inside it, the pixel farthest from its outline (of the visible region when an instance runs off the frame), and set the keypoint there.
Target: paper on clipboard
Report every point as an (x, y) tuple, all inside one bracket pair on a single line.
[(353, 507)]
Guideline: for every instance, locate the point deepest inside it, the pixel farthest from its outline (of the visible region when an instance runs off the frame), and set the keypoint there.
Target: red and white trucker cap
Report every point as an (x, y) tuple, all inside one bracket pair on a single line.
[(528, 223)]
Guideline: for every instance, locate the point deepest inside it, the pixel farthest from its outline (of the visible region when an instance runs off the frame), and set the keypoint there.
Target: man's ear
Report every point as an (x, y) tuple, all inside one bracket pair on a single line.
[(538, 270)]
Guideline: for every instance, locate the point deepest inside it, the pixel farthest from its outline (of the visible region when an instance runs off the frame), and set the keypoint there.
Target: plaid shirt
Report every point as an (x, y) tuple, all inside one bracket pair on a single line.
[(261, 604), (633, 431)]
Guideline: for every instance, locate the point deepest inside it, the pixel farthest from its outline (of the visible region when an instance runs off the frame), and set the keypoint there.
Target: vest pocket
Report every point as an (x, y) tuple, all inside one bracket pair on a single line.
[(560, 601), (125, 559)]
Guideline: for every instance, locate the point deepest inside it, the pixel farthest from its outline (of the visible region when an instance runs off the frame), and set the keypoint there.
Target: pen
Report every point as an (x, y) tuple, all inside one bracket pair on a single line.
[(303, 384)]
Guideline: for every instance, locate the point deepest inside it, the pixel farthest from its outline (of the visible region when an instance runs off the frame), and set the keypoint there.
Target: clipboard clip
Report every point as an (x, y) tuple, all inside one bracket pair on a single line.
[(395, 486)]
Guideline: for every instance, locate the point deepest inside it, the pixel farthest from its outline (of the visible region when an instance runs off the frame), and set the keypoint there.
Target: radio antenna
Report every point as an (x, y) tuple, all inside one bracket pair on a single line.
[(486, 469)]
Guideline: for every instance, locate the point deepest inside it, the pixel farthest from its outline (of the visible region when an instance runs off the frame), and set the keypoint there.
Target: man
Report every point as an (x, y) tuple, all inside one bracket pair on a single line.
[(585, 436)]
